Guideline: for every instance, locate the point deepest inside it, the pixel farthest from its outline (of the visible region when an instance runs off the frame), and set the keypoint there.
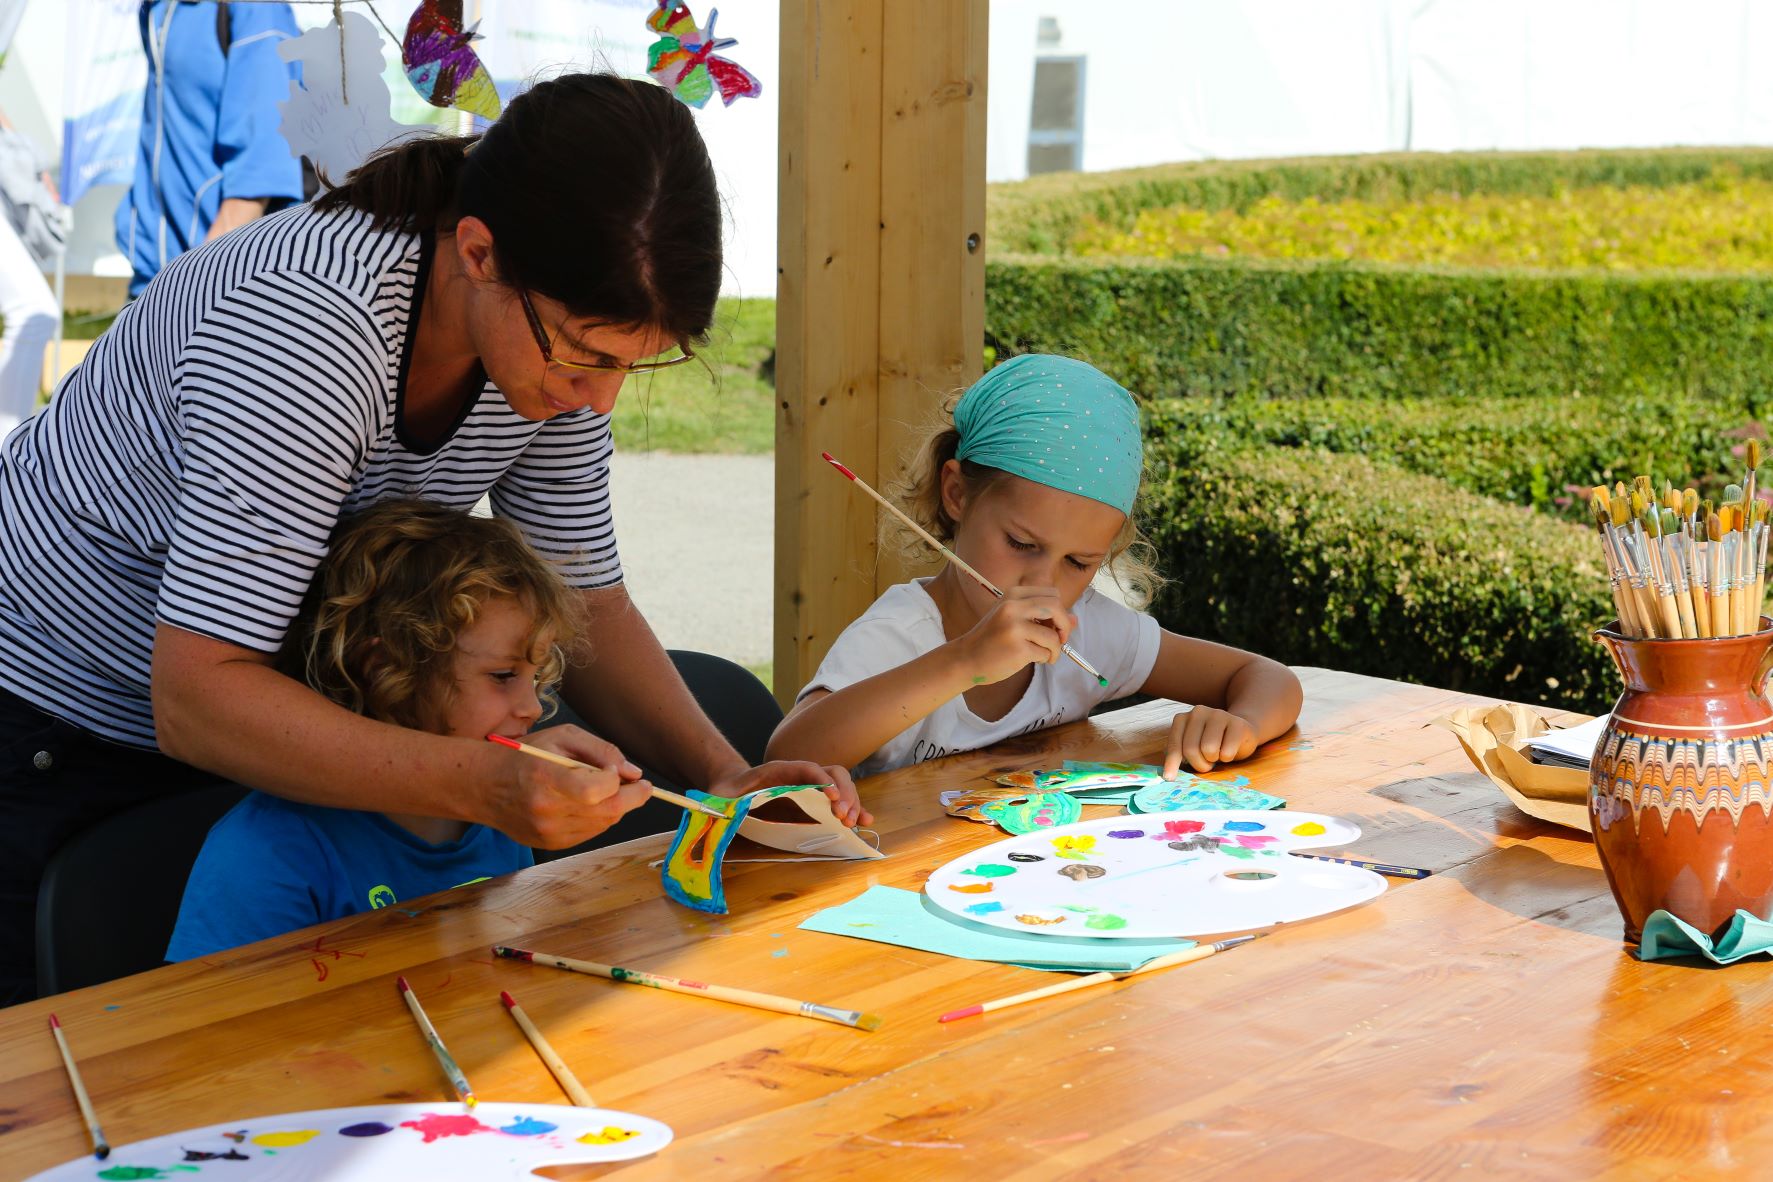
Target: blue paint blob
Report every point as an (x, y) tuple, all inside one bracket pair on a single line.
[(983, 908), (1244, 826), (1126, 834), (369, 1128), (525, 1126)]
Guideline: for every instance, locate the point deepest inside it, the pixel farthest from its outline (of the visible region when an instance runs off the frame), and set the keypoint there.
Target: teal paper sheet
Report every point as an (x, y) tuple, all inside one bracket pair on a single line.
[(1665, 936), (893, 916)]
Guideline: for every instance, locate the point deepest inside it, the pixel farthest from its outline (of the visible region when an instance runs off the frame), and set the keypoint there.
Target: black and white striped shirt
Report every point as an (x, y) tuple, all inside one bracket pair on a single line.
[(192, 467)]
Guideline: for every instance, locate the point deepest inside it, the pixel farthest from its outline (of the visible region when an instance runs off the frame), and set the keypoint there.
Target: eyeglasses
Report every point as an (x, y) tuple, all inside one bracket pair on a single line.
[(547, 348)]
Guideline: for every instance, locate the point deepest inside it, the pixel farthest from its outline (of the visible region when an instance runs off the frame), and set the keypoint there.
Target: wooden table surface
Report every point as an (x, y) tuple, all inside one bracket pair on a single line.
[(1480, 1022)]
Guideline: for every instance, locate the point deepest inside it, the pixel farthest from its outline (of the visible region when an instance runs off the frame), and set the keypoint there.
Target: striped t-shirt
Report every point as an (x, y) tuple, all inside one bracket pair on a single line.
[(193, 466)]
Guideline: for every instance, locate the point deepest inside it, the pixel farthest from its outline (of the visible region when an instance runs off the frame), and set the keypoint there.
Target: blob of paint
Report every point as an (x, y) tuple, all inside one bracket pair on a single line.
[(608, 1135), (1125, 834), (129, 1173), (286, 1140), (434, 1126), (1105, 922), (1236, 851), (989, 870), (1179, 828), (525, 1126), (1082, 871), (1244, 826), (983, 908), (1308, 829), (970, 888), (1024, 856), (369, 1128), (1038, 919)]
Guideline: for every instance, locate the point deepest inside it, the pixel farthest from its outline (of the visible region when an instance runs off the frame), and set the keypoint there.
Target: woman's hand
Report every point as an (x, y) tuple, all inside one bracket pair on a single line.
[(551, 807), (580, 744), (1204, 737), (1028, 625), (840, 789)]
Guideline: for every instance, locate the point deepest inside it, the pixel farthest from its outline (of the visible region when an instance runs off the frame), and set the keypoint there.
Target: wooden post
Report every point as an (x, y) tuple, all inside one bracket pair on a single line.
[(880, 298)]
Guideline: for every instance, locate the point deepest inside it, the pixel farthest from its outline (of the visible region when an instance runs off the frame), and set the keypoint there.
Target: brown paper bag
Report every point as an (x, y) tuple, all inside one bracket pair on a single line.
[(1495, 737)]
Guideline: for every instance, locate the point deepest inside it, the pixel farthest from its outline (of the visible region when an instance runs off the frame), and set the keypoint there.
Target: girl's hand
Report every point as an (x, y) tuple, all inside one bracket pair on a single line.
[(840, 789), (1028, 625), (1205, 736)]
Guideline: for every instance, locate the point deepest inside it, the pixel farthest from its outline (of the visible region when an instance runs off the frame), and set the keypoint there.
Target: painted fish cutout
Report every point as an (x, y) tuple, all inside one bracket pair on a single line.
[(441, 65), (683, 60)]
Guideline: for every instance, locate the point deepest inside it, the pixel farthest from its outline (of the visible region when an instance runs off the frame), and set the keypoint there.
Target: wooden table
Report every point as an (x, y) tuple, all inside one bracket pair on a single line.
[(1482, 1021)]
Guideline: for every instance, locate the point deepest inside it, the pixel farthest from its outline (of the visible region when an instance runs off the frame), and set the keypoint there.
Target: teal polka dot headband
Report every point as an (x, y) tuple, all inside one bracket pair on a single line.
[(1057, 422)]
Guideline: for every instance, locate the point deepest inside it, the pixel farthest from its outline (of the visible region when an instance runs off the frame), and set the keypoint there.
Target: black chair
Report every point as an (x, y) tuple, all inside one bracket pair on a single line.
[(109, 897), (741, 708)]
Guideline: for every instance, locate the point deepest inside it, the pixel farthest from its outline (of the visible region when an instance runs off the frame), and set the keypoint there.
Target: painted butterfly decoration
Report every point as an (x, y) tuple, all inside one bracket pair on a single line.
[(684, 62), (441, 65)]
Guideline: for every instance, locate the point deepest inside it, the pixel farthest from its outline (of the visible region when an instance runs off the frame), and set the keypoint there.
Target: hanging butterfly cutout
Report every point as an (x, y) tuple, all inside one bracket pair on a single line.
[(441, 66), (683, 60)]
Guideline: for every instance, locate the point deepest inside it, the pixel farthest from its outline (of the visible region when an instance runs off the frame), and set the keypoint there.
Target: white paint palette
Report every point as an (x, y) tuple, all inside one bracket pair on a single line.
[(440, 1142), (1153, 875)]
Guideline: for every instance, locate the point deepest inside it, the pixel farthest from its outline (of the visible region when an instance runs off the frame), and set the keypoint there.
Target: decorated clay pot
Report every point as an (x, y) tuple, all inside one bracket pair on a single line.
[(1678, 789)]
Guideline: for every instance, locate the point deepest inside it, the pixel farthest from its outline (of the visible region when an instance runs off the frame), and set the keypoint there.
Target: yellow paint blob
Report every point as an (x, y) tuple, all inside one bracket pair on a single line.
[(1308, 829), (286, 1140), (610, 1135)]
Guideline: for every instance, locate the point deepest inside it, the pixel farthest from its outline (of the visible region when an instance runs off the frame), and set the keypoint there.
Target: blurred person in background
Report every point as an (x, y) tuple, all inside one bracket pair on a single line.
[(211, 158)]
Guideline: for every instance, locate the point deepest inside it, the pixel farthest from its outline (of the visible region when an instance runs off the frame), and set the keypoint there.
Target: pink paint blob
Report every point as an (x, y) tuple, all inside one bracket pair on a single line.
[(1180, 827), (434, 1126)]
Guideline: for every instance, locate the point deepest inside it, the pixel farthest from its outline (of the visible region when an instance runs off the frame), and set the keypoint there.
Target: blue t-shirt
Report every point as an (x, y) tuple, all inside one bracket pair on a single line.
[(272, 865)]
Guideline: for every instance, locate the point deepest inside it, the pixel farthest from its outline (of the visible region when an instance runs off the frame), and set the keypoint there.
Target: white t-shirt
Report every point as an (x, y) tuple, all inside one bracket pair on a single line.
[(904, 623)]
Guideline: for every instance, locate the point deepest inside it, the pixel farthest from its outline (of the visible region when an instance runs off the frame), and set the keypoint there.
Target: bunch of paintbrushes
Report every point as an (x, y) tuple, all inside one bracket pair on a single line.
[(1683, 568)]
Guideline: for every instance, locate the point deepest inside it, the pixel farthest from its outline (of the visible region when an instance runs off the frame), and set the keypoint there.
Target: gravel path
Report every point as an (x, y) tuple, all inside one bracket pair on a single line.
[(697, 539)]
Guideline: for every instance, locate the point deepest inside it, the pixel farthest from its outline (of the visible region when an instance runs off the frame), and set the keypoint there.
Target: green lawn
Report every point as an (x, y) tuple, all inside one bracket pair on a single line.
[(724, 406)]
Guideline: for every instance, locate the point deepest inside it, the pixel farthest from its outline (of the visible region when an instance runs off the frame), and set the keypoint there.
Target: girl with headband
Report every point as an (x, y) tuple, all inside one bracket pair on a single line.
[(1033, 486)]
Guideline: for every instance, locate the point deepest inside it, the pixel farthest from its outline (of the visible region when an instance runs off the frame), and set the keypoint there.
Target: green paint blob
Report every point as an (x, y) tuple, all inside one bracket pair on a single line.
[(1105, 922), (1237, 851), (128, 1173), (989, 870)]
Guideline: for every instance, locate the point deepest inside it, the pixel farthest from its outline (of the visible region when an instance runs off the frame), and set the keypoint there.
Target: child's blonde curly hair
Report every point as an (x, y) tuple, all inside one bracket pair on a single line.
[(378, 629), (1131, 561)]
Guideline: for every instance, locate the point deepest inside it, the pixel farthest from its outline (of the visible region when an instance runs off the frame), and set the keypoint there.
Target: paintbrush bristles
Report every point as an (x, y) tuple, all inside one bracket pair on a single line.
[(1680, 566)]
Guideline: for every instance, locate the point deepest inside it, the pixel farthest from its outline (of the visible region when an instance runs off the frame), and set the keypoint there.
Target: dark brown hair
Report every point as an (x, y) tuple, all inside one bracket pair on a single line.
[(378, 629), (598, 191)]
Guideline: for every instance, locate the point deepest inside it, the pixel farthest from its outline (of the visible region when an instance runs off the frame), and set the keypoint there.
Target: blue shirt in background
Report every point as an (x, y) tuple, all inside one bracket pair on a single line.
[(271, 866), (209, 126)]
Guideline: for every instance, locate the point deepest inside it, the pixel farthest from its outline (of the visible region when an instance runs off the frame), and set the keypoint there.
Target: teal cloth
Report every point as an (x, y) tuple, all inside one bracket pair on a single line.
[(1666, 936), (889, 915), (1057, 422)]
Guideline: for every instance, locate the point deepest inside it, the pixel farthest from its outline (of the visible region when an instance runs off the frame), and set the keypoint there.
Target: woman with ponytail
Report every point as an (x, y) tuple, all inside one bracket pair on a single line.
[(452, 321)]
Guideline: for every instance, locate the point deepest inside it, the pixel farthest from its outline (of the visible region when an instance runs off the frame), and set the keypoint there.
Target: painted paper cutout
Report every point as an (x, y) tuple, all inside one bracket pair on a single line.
[(1187, 793), (438, 1142), (1160, 875), (691, 872), (1043, 810), (682, 60), (338, 120), (441, 65)]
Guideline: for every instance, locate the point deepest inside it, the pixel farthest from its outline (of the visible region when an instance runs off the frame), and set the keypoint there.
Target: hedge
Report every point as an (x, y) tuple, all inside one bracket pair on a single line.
[(1318, 558), (1044, 213), (1376, 331), (1525, 451)]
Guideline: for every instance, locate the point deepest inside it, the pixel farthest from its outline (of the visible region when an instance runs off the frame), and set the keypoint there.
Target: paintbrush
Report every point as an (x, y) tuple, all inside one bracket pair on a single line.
[(1186, 956), (950, 555), (566, 761), (743, 997), (444, 1059), (101, 1148), (569, 1083)]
